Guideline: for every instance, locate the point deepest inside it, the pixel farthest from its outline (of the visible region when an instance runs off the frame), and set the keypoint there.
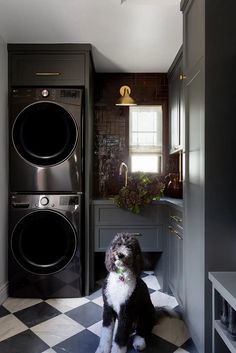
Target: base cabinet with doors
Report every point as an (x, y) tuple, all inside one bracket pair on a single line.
[(175, 253)]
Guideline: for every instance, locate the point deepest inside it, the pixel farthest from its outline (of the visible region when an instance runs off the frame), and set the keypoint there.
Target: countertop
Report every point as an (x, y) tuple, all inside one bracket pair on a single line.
[(163, 200)]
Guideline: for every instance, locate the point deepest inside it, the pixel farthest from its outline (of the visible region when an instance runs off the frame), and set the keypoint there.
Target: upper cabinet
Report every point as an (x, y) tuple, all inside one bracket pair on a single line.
[(175, 78), (45, 64)]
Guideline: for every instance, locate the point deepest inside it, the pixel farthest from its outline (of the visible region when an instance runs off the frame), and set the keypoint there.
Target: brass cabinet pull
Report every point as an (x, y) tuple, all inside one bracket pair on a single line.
[(136, 234), (47, 73), (175, 232), (176, 219), (182, 77)]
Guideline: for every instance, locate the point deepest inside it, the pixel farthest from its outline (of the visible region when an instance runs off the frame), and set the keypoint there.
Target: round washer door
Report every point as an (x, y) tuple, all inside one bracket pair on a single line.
[(44, 133), (43, 242)]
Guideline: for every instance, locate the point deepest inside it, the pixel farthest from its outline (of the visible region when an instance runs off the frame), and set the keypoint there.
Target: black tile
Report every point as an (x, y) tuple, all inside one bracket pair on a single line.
[(3, 311), (151, 290), (82, 342), (36, 314), (143, 275), (24, 342), (189, 346), (87, 314)]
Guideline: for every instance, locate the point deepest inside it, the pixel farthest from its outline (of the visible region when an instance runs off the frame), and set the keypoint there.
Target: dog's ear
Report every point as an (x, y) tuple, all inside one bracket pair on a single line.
[(108, 260)]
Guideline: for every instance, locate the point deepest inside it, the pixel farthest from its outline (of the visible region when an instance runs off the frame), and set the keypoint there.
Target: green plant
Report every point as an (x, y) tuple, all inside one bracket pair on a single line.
[(141, 190)]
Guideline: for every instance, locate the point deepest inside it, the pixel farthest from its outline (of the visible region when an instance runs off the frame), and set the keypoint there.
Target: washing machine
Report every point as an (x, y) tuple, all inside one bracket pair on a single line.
[(46, 140), (45, 252)]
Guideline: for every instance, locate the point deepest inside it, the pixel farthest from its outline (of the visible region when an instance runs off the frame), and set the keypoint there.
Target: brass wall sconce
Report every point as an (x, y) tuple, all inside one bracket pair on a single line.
[(125, 99)]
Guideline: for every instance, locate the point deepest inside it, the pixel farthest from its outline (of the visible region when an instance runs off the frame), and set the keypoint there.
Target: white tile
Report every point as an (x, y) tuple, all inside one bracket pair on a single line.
[(98, 301), (163, 299), (57, 329), (10, 326), (66, 304), (96, 328), (172, 330), (50, 350), (180, 350), (151, 282), (15, 304)]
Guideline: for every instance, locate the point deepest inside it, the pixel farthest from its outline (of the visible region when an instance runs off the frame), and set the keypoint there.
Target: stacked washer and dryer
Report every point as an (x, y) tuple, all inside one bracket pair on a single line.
[(46, 192)]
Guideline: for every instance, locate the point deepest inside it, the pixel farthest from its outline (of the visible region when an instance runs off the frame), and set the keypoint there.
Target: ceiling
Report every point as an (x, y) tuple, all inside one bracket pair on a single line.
[(126, 35)]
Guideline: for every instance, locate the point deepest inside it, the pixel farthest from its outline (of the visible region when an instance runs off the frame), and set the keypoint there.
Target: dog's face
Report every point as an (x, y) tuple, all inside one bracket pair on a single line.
[(124, 252)]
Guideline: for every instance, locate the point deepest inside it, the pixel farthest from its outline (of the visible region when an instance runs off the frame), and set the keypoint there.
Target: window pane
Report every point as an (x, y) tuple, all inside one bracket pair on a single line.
[(145, 163), (145, 137)]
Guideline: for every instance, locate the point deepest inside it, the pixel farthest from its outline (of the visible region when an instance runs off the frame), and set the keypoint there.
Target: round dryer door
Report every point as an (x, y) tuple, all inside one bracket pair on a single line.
[(44, 133), (43, 242)]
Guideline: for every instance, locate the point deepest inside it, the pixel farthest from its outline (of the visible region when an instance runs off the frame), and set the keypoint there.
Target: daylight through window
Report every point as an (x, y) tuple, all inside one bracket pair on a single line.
[(145, 139)]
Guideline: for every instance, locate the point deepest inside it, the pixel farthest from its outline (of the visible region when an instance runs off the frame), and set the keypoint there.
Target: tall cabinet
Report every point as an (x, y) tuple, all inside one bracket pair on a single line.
[(62, 65), (209, 52)]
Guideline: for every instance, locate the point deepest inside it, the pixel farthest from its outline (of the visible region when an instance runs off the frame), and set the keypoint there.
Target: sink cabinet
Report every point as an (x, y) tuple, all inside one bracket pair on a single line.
[(147, 226)]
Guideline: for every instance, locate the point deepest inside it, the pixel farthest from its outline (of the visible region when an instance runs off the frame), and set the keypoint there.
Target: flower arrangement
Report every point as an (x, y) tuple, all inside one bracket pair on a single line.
[(141, 190)]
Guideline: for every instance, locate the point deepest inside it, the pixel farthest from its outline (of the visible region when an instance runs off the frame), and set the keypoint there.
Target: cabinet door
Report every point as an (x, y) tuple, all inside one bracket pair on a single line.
[(173, 263), (47, 69), (175, 104)]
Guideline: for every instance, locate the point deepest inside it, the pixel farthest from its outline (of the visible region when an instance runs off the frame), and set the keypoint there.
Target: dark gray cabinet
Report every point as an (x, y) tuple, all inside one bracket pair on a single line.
[(176, 126), (147, 226), (175, 253), (49, 64), (50, 69), (209, 51), (63, 65)]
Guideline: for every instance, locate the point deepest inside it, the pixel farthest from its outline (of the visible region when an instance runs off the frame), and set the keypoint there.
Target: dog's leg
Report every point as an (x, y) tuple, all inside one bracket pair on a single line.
[(123, 332), (107, 330)]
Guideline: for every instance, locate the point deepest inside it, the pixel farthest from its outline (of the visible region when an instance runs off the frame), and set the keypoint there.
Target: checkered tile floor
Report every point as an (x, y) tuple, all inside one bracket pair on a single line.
[(73, 325)]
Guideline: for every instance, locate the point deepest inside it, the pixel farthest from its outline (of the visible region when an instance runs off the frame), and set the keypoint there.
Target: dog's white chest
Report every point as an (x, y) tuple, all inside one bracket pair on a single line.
[(118, 291)]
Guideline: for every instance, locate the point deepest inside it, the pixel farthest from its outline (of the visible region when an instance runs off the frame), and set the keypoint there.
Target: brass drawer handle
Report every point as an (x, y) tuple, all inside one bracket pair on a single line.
[(182, 77), (136, 234), (176, 218), (47, 73), (175, 232)]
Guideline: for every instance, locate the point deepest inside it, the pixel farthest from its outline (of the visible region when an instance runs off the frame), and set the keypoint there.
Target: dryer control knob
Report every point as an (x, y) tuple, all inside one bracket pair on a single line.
[(45, 93), (44, 201)]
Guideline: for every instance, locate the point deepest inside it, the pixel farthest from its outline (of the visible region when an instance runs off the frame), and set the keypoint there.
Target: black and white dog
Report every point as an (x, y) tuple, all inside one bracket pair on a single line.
[(126, 297)]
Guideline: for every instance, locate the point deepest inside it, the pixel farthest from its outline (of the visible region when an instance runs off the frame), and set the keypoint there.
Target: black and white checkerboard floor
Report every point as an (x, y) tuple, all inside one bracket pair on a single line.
[(73, 325)]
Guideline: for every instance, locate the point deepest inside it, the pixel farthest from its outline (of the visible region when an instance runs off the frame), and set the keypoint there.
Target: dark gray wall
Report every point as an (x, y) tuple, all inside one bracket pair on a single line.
[(3, 170)]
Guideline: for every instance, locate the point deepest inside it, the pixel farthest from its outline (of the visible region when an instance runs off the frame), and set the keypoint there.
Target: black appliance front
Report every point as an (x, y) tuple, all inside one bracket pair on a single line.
[(45, 246), (46, 140)]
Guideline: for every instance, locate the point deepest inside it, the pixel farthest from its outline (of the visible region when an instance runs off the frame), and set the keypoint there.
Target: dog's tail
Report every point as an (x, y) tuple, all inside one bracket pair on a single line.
[(166, 311)]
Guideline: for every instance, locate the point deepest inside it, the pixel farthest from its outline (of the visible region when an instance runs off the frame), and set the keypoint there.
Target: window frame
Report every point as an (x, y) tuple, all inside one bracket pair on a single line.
[(163, 105)]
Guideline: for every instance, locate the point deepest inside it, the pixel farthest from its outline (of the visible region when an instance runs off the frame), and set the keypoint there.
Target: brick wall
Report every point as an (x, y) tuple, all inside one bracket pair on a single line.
[(111, 125)]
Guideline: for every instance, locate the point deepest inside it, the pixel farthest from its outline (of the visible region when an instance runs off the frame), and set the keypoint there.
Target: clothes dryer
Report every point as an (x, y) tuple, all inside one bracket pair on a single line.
[(45, 246), (46, 140)]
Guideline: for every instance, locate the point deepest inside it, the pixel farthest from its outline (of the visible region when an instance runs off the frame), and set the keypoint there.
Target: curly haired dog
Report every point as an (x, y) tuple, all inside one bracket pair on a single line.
[(126, 297)]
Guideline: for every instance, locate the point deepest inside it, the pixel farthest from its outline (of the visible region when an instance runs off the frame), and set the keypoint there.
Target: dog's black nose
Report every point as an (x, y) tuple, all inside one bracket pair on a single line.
[(120, 255)]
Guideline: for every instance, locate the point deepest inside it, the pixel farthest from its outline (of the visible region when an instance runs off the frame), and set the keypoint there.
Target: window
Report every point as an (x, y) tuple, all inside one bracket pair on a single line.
[(145, 139)]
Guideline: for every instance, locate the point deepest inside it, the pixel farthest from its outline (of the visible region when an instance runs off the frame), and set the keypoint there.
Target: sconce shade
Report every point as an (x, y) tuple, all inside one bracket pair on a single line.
[(125, 98)]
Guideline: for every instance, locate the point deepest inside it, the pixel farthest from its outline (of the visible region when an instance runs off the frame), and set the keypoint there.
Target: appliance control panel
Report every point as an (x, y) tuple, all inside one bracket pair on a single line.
[(46, 201)]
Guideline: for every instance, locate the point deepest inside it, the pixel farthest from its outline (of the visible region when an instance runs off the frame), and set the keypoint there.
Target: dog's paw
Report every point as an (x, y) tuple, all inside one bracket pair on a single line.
[(139, 343)]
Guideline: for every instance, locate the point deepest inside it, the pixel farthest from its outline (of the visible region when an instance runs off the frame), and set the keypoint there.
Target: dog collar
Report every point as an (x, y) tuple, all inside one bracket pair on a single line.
[(121, 272)]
